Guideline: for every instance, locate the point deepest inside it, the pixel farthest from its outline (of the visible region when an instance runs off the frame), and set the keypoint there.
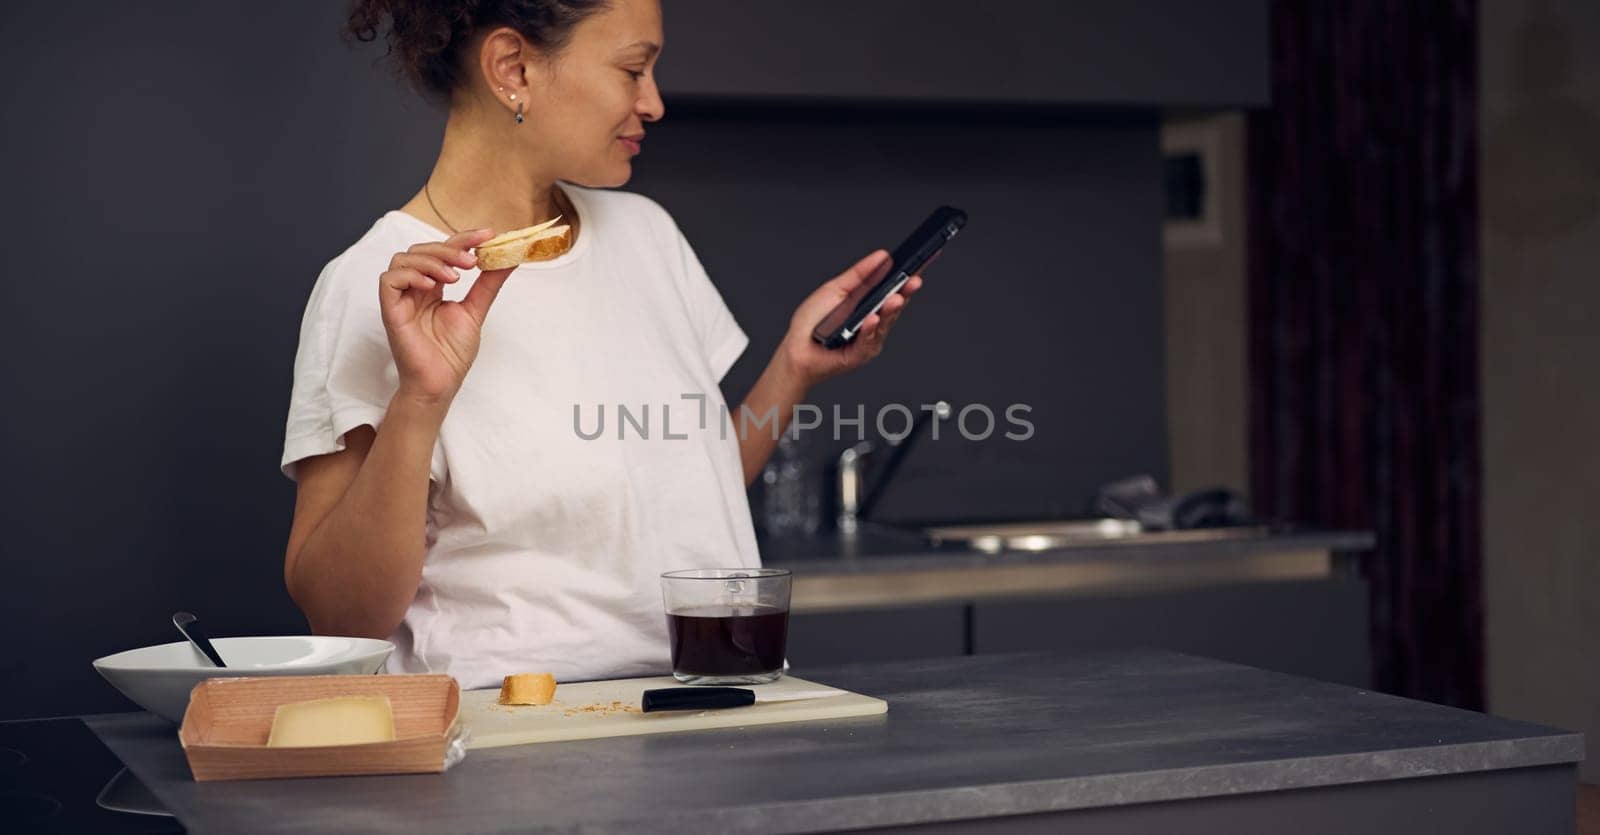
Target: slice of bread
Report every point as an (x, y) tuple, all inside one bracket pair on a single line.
[(528, 689), (535, 243)]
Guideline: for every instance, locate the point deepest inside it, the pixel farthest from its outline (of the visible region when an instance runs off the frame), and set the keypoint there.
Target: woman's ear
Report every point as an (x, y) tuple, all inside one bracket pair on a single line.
[(504, 63)]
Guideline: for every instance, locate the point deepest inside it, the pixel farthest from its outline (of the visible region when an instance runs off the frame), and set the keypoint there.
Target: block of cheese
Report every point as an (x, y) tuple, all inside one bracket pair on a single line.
[(345, 720), (528, 689)]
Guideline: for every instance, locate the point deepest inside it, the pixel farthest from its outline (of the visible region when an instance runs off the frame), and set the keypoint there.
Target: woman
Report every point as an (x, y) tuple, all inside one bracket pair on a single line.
[(461, 515)]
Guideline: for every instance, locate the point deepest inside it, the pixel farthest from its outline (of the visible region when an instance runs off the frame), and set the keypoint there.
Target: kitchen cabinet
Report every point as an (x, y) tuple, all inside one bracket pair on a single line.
[(876, 635), (1153, 53), (1314, 628), (1290, 601)]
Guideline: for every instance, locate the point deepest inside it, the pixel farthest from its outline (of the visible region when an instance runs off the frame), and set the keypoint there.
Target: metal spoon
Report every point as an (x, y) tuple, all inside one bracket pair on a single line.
[(189, 625)]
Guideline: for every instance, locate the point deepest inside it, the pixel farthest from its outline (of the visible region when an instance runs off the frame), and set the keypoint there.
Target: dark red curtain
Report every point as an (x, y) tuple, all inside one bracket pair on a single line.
[(1364, 315)]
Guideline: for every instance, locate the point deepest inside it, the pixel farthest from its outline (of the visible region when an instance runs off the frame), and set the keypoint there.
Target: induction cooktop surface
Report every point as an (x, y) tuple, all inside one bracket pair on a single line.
[(57, 777)]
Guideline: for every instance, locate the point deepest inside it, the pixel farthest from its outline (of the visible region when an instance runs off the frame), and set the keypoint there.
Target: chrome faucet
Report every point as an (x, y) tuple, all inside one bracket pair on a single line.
[(854, 499), (850, 486)]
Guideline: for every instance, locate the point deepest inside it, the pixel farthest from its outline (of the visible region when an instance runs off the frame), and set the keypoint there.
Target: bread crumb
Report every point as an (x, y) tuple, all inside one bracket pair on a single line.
[(602, 709)]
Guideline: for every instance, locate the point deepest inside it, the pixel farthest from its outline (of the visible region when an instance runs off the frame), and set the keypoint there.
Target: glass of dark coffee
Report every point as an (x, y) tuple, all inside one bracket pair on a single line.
[(727, 625)]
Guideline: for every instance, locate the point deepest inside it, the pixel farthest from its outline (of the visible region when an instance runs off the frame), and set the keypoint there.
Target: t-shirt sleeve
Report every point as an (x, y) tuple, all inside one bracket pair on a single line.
[(721, 338), (344, 375)]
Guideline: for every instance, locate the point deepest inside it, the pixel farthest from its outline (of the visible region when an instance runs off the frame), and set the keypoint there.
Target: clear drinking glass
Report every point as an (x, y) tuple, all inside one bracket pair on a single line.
[(727, 625)]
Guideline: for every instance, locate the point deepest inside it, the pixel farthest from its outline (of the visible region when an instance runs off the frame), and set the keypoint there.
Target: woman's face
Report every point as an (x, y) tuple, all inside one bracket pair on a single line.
[(586, 111)]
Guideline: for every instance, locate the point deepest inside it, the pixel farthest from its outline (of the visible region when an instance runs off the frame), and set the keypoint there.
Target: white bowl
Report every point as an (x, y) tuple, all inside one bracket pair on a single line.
[(159, 678)]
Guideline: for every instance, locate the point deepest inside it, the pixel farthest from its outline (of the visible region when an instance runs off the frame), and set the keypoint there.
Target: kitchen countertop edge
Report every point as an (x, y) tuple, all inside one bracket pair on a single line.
[(1141, 548)]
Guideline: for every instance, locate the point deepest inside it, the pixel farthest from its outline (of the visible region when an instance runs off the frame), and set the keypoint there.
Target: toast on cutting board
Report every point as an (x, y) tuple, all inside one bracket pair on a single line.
[(539, 242), (528, 689)]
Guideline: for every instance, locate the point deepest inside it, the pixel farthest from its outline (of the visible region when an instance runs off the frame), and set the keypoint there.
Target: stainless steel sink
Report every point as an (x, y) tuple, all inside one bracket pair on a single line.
[(1050, 534), (1033, 536)]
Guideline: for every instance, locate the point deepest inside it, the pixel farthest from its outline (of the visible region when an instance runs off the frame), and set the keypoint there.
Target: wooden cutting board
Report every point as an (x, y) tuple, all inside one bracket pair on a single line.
[(593, 709)]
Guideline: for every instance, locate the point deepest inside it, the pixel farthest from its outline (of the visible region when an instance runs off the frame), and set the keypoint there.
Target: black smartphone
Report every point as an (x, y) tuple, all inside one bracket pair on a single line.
[(843, 323)]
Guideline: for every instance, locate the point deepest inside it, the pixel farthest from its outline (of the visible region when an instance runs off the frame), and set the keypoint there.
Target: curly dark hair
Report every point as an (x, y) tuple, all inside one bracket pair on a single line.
[(427, 37)]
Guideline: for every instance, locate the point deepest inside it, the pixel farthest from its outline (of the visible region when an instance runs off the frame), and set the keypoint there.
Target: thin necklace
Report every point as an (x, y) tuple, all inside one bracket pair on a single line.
[(454, 231), (428, 194)]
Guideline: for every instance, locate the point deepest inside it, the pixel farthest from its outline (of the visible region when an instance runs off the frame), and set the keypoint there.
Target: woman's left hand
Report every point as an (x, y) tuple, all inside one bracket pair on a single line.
[(808, 358)]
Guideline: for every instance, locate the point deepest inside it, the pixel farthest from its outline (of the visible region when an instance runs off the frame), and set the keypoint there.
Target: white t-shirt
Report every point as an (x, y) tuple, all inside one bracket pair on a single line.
[(544, 548)]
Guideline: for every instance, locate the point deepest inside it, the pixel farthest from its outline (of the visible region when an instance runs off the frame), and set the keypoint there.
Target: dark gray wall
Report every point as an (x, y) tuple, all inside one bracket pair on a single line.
[(1051, 297), (178, 173)]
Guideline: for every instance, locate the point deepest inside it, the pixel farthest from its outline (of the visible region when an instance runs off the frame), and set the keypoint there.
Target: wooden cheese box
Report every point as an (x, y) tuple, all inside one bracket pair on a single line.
[(224, 731)]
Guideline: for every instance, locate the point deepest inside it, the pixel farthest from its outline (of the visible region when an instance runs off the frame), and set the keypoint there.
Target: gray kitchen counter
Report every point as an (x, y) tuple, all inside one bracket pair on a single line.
[(882, 566), (1116, 741)]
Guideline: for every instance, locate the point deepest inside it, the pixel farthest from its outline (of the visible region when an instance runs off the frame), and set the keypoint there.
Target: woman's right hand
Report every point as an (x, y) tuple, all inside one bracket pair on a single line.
[(435, 341)]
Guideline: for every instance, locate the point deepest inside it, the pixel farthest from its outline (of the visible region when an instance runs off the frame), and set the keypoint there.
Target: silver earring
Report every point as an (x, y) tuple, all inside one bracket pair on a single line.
[(519, 112)]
